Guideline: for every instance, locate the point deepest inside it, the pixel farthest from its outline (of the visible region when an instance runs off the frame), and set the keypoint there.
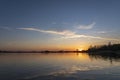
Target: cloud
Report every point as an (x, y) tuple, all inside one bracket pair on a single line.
[(66, 34), (87, 36), (89, 26), (5, 28), (102, 32), (54, 23)]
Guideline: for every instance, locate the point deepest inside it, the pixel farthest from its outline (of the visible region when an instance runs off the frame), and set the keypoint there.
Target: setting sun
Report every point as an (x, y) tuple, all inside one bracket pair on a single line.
[(80, 49)]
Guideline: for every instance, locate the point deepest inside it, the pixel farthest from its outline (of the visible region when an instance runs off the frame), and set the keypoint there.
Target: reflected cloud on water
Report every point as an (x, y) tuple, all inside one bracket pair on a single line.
[(70, 73)]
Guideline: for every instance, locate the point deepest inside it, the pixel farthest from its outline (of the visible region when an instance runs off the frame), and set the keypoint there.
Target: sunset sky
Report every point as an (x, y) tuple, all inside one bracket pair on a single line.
[(58, 24)]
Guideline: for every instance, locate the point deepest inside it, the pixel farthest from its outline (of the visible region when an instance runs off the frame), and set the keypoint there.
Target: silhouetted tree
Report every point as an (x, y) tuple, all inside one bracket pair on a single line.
[(109, 47)]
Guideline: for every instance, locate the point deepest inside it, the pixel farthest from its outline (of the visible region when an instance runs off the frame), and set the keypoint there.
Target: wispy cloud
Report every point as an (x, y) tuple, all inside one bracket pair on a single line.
[(87, 36), (102, 32), (66, 34), (5, 28), (89, 26), (54, 23)]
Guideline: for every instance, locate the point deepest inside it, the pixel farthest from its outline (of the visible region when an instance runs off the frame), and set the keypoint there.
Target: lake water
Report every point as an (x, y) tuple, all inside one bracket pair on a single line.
[(58, 66)]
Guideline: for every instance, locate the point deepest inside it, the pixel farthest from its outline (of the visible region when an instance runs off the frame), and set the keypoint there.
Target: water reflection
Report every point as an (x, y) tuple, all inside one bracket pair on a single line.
[(59, 66), (108, 57)]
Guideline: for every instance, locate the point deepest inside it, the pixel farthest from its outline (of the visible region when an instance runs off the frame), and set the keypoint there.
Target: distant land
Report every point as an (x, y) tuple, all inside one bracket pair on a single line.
[(109, 48), (45, 51)]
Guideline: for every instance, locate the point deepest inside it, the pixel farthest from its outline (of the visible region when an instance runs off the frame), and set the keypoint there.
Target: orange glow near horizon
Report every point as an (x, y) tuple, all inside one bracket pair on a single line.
[(45, 47)]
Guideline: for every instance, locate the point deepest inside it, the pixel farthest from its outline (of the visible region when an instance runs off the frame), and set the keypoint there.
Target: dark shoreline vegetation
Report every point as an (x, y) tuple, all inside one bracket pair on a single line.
[(105, 49)]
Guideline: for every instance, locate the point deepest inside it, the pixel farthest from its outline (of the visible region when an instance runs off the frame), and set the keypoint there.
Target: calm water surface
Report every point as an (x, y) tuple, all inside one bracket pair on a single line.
[(60, 66)]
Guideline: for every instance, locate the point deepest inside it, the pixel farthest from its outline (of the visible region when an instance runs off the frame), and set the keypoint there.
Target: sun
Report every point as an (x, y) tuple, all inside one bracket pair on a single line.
[(79, 49)]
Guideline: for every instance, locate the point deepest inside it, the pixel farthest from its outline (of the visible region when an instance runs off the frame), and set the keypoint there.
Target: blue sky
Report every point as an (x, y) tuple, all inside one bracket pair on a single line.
[(58, 24)]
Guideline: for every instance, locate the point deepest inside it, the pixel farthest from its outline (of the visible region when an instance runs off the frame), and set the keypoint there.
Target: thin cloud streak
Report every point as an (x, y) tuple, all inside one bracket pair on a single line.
[(89, 26), (87, 36), (102, 32), (66, 34), (5, 28)]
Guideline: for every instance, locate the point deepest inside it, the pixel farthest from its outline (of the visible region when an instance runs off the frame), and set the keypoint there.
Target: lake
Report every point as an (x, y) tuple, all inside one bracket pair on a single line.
[(58, 66)]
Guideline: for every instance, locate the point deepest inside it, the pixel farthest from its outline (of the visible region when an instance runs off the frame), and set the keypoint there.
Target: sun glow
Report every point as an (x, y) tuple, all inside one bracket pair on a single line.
[(80, 49)]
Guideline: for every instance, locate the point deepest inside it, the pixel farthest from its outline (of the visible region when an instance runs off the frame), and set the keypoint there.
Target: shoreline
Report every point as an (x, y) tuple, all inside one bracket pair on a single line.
[(46, 51)]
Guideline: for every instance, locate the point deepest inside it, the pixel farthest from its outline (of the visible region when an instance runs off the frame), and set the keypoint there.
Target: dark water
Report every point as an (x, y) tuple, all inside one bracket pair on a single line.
[(67, 66)]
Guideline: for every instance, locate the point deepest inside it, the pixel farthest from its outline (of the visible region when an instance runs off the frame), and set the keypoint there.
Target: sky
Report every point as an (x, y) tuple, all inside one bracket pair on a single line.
[(58, 24)]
